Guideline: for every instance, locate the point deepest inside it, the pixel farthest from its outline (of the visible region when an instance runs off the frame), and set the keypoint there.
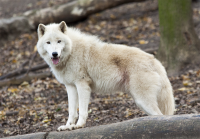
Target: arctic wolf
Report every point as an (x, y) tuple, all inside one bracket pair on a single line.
[(85, 64)]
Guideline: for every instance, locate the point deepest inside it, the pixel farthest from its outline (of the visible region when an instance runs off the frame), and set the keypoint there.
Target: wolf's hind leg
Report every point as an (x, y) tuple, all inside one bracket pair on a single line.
[(73, 105), (145, 88), (148, 106), (146, 99)]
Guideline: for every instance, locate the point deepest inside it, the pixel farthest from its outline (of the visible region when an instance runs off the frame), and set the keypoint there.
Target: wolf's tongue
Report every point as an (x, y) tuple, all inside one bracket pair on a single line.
[(55, 60)]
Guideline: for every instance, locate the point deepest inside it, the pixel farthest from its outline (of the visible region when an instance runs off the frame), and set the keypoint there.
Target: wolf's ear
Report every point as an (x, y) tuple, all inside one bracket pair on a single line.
[(63, 27), (41, 30)]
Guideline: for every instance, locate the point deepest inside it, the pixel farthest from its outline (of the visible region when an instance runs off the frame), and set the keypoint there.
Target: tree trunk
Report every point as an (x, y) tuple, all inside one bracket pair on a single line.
[(179, 42)]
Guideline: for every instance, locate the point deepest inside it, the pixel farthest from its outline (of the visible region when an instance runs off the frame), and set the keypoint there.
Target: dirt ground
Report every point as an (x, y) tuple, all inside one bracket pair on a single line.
[(41, 105)]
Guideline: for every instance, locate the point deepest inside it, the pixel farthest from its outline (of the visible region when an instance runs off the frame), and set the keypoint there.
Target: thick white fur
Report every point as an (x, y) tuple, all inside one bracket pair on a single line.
[(88, 64)]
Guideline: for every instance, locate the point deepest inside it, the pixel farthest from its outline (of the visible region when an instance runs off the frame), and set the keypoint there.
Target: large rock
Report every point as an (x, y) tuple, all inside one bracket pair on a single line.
[(39, 135), (13, 26), (151, 127)]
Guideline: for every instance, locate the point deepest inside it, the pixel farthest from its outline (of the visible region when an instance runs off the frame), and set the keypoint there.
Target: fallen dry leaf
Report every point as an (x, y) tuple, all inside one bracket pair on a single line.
[(143, 42)]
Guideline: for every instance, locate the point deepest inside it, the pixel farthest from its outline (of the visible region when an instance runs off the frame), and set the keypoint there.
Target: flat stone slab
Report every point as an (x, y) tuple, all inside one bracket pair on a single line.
[(38, 135), (150, 127)]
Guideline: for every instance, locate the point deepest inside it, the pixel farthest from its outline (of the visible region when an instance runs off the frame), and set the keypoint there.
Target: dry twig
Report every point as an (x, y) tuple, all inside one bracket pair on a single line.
[(31, 61)]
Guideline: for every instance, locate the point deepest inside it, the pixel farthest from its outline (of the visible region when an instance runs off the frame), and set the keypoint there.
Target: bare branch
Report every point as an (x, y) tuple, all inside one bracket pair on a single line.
[(25, 77), (22, 71)]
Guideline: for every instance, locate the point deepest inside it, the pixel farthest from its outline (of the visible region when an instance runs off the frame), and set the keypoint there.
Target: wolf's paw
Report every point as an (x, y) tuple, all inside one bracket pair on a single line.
[(66, 127), (79, 126)]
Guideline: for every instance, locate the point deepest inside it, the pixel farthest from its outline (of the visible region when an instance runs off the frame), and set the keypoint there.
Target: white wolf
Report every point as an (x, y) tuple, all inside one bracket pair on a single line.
[(84, 64)]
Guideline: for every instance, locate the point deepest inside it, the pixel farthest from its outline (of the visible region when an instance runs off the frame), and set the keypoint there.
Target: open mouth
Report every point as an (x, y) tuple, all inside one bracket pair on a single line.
[(55, 60)]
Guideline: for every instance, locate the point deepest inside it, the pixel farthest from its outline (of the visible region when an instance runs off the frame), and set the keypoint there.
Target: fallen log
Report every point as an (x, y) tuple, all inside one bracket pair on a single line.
[(26, 77), (72, 12), (150, 127)]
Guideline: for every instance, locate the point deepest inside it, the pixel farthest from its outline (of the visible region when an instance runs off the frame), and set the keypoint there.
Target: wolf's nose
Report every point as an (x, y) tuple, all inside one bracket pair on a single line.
[(55, 54)]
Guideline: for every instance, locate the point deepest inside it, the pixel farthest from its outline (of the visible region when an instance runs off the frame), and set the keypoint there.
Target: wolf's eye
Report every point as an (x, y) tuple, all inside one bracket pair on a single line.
[(59, 41), (48, 42)]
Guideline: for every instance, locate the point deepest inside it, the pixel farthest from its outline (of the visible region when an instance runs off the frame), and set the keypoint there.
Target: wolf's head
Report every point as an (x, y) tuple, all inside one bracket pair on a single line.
[(53, 43)]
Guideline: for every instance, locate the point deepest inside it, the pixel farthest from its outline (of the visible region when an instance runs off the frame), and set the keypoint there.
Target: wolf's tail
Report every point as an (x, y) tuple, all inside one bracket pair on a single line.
[(166, 100), (165, 97)]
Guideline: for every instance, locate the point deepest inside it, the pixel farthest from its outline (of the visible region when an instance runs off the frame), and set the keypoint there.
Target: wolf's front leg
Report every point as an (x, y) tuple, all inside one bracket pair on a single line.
[(73, 104), (84, 92)]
